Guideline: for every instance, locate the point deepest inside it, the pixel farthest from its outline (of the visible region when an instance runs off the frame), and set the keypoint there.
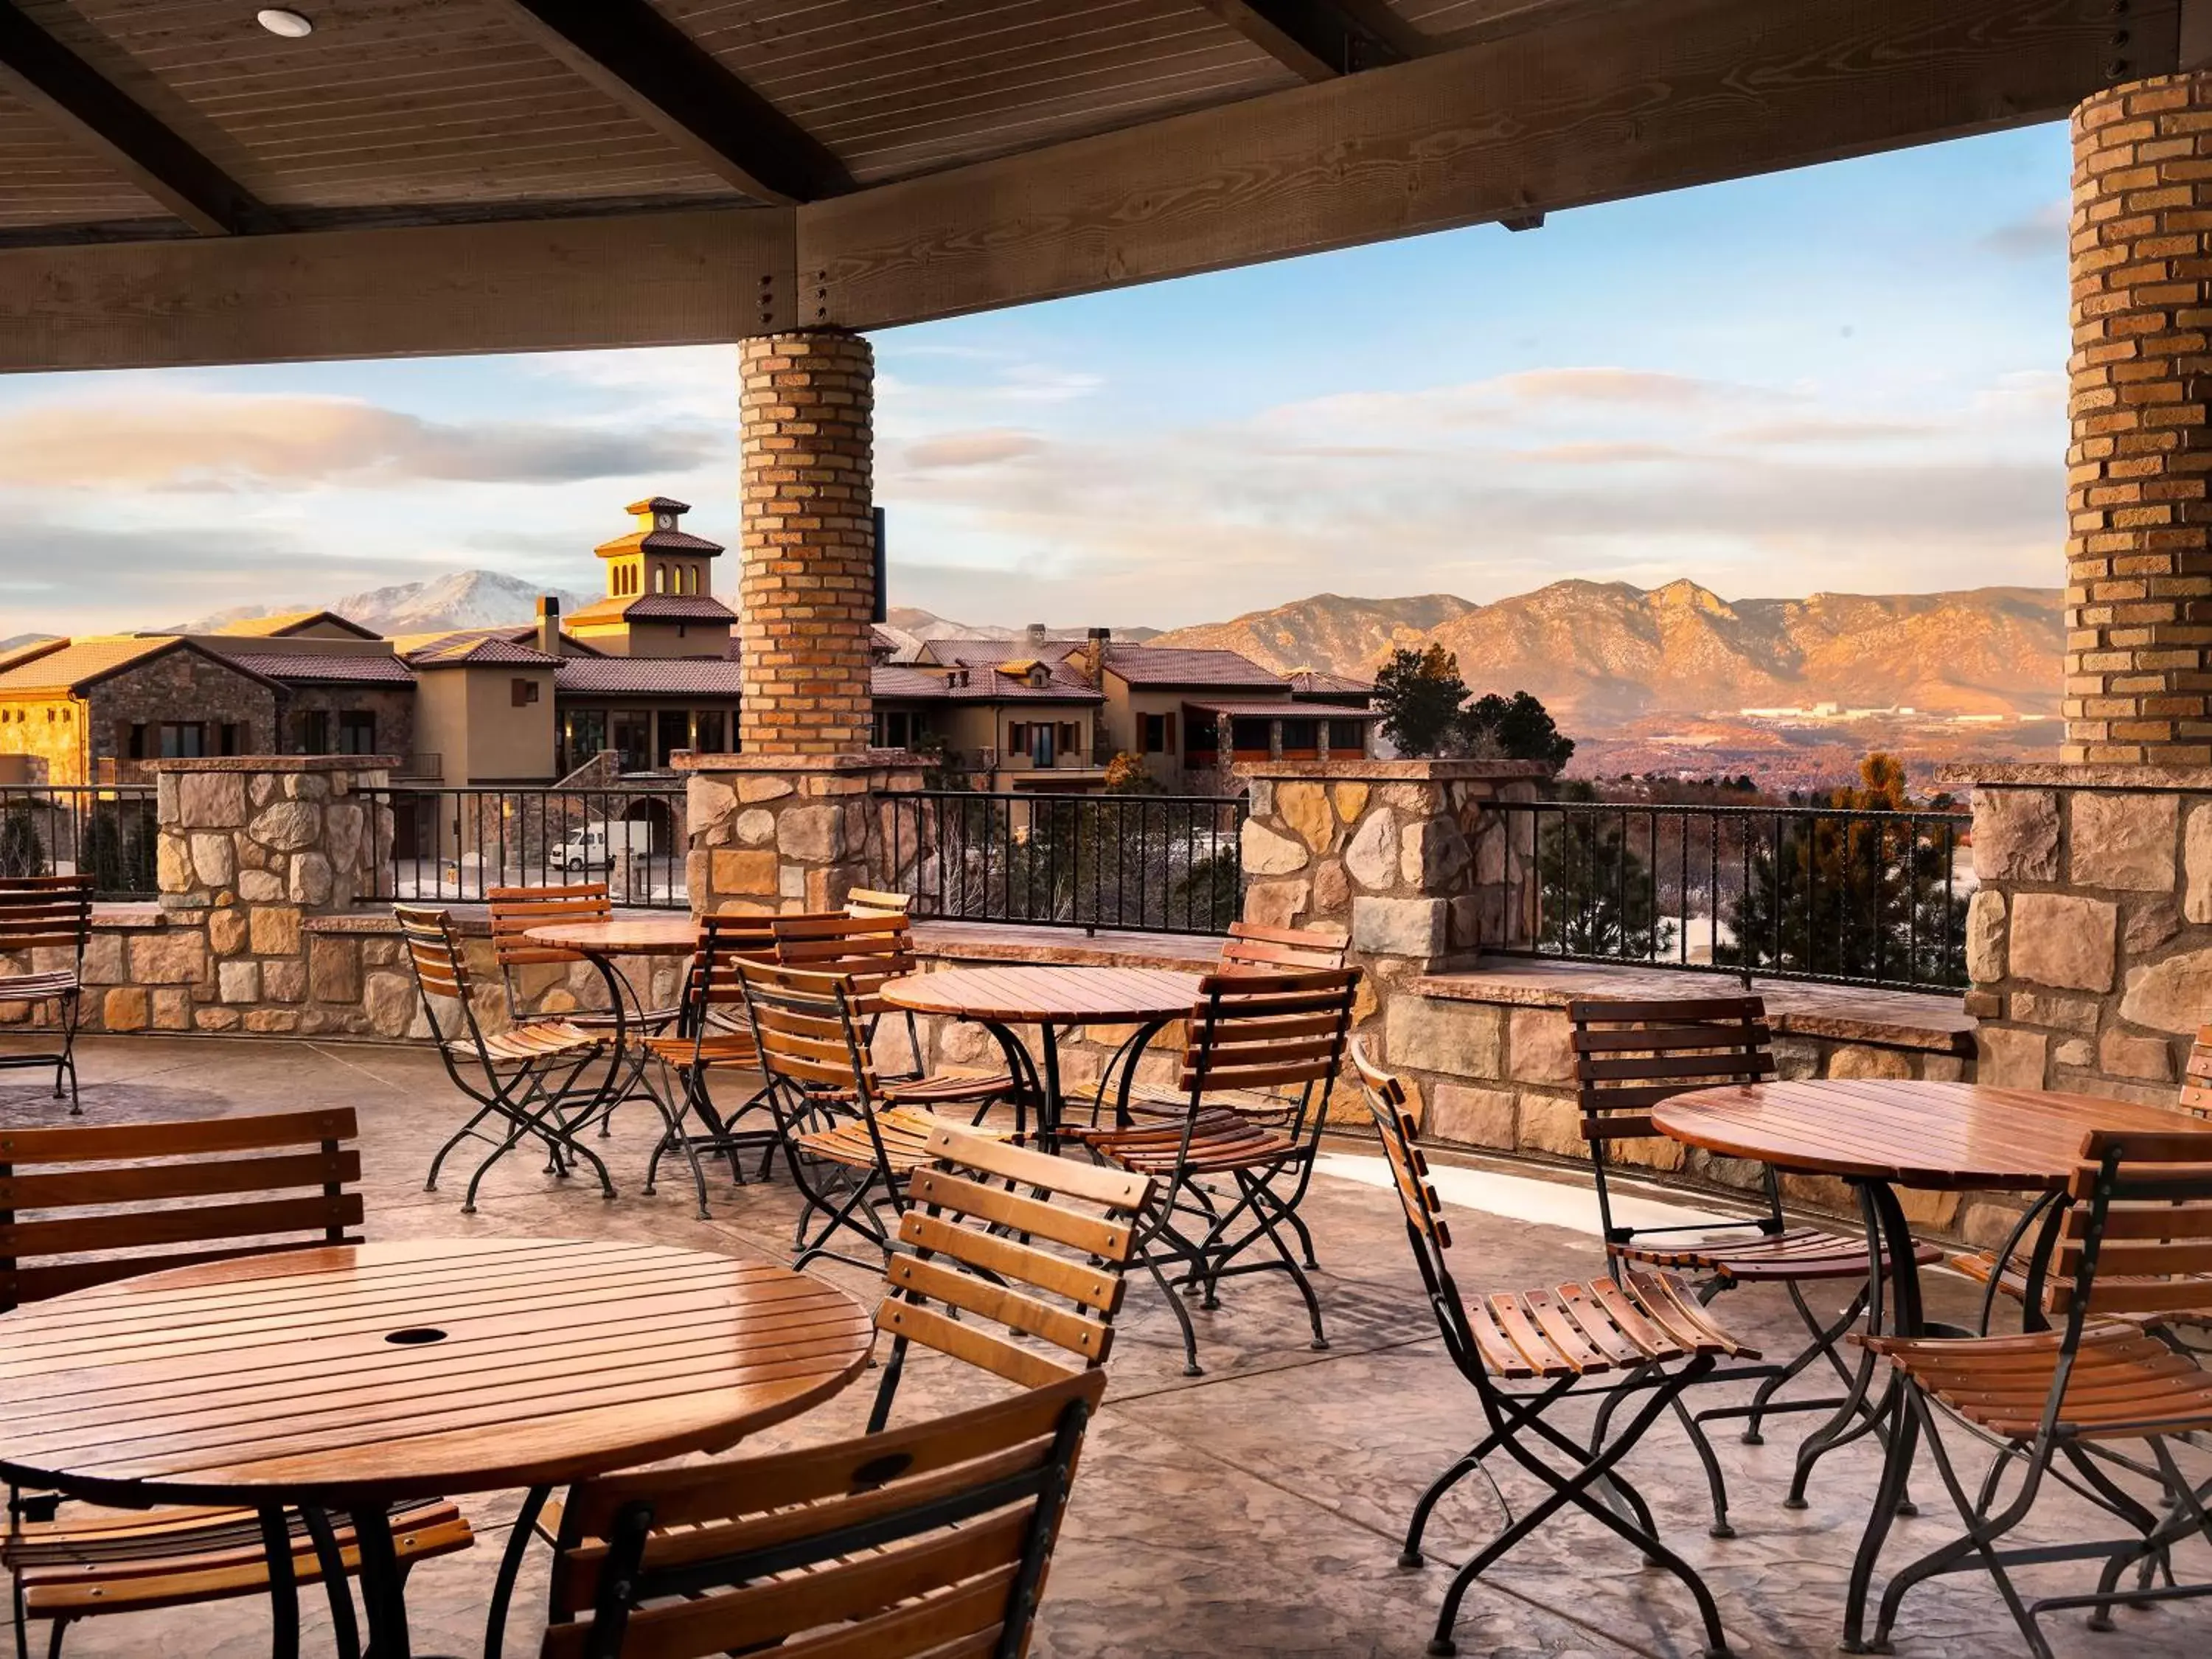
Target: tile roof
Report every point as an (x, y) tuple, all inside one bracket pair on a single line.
[(702, 676), (655, 607), (472, 649), (984, 684), (659, 504), (82, 662), (1311, 682), (991, 652), (327, 670), (289, 622), (1174, 667)]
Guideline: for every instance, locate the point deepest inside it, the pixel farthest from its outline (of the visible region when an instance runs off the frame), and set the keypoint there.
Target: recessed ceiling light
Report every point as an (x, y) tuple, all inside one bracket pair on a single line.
[(290, 24)]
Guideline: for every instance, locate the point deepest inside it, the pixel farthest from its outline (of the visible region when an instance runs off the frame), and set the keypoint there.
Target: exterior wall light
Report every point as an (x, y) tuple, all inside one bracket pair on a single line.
[(290, 24)]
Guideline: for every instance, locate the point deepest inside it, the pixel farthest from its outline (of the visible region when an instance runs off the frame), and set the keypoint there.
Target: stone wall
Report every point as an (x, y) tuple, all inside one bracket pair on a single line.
[(2090, 941), (773, 833), (186, 685)]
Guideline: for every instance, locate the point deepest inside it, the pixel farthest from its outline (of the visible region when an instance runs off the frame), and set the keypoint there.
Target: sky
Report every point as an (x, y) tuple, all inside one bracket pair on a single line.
[(1847, 378)]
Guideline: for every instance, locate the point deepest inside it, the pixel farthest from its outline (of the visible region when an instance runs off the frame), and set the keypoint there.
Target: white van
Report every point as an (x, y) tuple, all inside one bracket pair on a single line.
[(597, 846)]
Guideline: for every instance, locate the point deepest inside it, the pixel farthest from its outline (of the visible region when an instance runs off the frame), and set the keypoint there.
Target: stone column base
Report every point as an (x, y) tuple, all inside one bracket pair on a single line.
[(778, 833)]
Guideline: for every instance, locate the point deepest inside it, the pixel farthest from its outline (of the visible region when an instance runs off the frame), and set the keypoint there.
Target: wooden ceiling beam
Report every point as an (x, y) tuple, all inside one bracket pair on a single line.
[(633, 54), (1320, 40), (684, 277), (41, 72), (1604, 103)]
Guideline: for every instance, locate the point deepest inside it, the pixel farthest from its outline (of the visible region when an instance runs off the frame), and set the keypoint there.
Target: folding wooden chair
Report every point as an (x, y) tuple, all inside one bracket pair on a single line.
[(514, 912), (871, 949), (2055, 1403), (80, 1209), (928, 1541), (1283, 1033), (523, 1081), (715, 1035), (2004, 1272), (49, 914), (850, 1152), (1023, 1252), (1249, 948), (1628, 1057), (1640, 1333), (875, 902)]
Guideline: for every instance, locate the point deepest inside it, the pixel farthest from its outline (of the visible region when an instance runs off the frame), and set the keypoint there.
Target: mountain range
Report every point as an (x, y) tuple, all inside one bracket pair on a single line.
[(460, 599), (1603, 655)]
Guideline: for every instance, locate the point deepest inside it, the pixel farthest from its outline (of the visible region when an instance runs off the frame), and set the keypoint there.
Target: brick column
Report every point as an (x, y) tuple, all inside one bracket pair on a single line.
[(806, 580), (2139, 551)]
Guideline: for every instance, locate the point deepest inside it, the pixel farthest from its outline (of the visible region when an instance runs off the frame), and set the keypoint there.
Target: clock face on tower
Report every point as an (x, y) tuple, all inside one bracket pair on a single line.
[(665, 519)]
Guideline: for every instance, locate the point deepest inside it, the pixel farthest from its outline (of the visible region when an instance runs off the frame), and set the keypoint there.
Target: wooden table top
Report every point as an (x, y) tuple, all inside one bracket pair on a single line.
[(1963, 1136), (1028, 994), (281, 1374), (669, 935)]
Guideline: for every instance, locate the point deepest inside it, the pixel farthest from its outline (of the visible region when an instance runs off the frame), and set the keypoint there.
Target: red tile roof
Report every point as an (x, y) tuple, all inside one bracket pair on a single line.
[(667, 677), (1173, 666), (655, 607), (1285, 710), (984, 684), (464, 650), (327, 670), (1311, 682)]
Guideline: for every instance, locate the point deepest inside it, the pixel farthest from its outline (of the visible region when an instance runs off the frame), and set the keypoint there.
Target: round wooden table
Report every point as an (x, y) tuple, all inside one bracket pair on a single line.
[(343, 1379), (1880, 1134), (1000, 999)]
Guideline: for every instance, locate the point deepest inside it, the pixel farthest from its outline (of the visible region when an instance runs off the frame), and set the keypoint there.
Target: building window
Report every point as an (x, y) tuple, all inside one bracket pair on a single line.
[(894, 728), (631, 732), (1300, 734), (134, 741), (524, 692), (183, 740), (230, 738), (315, 732), (660, 579), (357, 732), (672, 733), (1347, 736), (1157, 733), (707, 727), (1033, 739)]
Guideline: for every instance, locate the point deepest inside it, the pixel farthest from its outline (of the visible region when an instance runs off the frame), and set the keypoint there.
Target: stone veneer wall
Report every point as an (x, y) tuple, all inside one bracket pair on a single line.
[(2090, 941), (806, 571), (775, 833)]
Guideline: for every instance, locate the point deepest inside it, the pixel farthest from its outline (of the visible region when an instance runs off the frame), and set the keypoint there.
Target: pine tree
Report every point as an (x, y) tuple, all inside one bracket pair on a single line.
[(1598, 897)]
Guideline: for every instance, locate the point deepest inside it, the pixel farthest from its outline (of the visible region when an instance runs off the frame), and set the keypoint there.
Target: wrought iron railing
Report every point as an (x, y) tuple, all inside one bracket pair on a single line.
[(446, 844), (1163, 864), (1819, 893), (107, 831)]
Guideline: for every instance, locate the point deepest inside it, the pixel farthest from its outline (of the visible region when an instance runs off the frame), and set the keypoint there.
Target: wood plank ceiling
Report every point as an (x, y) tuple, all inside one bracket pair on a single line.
[(178, 185)]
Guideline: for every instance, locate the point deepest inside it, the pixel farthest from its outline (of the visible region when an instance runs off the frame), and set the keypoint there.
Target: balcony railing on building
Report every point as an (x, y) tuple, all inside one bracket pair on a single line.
[(1149, 863), (1874, 898), (448, 844), (107, 832)]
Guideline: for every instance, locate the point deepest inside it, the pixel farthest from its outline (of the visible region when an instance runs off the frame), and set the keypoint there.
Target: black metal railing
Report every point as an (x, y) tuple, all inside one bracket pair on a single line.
[(453, 844), (1799, 892), (1166, 863), (107, 831)]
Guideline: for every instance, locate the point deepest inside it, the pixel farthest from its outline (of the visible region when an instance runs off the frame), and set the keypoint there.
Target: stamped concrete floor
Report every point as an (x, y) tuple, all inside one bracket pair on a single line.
[(1255, 1511)]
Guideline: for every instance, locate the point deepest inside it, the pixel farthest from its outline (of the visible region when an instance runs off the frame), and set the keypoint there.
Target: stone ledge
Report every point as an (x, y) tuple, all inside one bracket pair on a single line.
[(277, 763), (2061, 774), (1840, 1013), (867, 760), (1397, 771), (125, 918), (469, 920)]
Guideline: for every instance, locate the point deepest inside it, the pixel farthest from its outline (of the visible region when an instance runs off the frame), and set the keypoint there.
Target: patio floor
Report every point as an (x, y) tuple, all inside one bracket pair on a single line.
[(1254, 1510)]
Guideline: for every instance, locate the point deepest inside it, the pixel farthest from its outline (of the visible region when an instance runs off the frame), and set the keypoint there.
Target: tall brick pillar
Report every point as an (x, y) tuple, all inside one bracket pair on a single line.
[(2139, 549), (806, 577)]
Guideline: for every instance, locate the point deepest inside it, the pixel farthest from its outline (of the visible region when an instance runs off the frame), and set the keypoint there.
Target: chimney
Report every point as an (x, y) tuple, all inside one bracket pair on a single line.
[(549, 625), (1094, 656), (1039, 637)]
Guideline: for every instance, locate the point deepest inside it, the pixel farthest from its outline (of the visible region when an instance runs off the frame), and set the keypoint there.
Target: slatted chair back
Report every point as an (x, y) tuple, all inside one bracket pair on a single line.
[(928, 1541), (867, 949), (441, 972), (45, 913), (83, 1208), (2138, 1236), (725, 942), (516, 910), (1425, 1227), (875, 902), (1251, 946), (1002, 1235), (1277, 1034), (1629, 1055), (805, 1030)]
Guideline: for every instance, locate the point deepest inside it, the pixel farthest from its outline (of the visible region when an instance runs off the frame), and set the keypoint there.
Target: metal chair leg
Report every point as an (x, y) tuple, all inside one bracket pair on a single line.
[(510, 1569)]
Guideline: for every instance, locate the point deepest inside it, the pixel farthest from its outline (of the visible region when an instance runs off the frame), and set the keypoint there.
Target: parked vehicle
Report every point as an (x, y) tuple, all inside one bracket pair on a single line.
[(598, 846)]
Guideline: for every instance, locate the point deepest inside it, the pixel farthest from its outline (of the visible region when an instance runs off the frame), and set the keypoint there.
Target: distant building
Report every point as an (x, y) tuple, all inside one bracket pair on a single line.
[(645, 673)]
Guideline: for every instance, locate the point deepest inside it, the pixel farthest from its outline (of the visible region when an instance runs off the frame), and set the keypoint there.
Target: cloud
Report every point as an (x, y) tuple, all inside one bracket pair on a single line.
[(1829, 431), (239, 443), (1608, 385), (2040, 234), (985, 447), (1601, 454)]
